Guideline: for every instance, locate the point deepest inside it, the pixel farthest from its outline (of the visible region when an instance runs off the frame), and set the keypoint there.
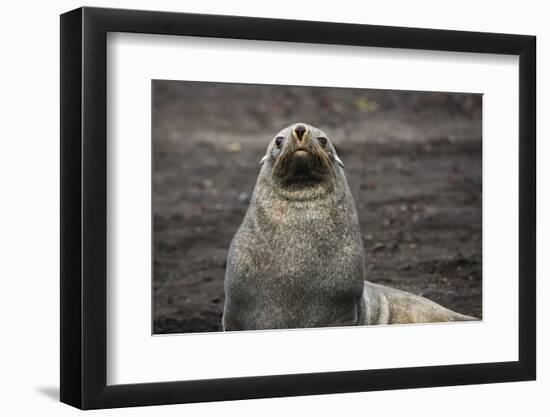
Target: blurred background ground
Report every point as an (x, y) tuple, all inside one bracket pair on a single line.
[(413, 162)]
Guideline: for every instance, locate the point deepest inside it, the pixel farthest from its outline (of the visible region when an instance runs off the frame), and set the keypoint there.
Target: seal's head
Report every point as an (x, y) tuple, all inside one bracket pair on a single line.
[(302, 161)]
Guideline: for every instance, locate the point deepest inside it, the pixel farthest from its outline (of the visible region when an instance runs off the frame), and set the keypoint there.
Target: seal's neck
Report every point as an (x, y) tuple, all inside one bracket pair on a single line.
[(302, 193), (312, 208), (295, 191)]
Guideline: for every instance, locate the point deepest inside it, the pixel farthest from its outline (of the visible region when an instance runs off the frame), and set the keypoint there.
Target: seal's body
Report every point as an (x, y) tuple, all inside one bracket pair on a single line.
[(297, 259)]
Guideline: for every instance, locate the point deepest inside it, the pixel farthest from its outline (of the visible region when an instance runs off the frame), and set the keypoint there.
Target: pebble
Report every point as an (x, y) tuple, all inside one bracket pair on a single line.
[(234, 147), (378, 247), (243, 197)]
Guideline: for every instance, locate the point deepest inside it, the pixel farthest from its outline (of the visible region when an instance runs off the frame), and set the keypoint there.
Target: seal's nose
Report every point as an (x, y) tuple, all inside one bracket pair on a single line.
[(299, 130)]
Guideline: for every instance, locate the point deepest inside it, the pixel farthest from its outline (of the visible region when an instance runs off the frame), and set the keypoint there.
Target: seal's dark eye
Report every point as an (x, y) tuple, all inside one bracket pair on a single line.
[(278, 140), (322, 140)]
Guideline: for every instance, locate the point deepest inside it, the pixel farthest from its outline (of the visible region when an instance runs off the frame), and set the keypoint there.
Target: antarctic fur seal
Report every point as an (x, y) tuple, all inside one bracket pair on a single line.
[(298, 260)]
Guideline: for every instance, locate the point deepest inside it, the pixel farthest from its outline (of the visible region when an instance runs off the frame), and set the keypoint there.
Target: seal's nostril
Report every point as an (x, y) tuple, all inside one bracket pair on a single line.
[(300, 130)]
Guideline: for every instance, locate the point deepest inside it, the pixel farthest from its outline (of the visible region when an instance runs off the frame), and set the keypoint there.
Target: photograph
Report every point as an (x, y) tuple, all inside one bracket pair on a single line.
[(291, 207), (272, 206)]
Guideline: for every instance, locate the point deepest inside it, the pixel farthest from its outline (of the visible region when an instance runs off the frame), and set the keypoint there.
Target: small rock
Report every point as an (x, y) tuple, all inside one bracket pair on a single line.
[(369, 185), (378, 247), (387, 222), (243, 197), (234, 147), (394, 246)]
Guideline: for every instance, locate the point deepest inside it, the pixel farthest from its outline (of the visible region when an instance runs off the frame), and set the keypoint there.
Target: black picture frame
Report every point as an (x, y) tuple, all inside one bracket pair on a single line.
[(84, 207)]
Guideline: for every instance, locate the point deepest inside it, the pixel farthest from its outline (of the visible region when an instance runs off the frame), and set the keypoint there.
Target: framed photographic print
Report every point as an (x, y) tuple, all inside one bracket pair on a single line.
[(257, 208)]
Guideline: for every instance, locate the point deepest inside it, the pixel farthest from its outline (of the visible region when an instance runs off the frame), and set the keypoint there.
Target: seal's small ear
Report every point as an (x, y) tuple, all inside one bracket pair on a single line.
[(338, 160), (263, 160)]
